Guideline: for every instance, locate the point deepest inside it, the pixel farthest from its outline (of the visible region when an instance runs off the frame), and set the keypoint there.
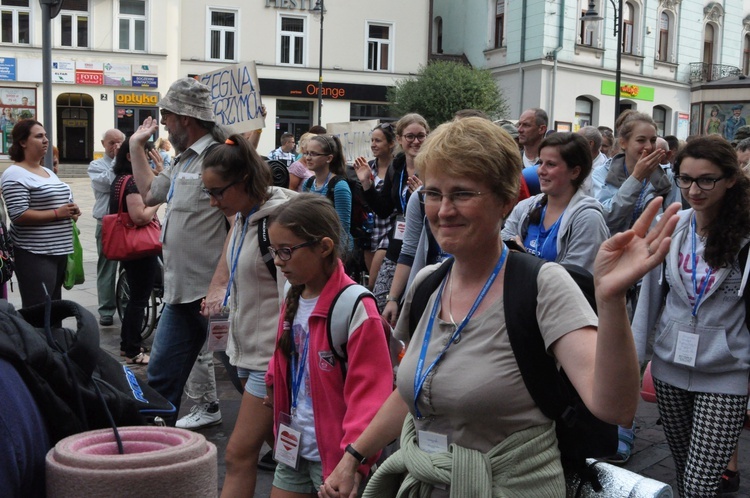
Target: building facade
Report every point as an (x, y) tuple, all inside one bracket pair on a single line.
[(543, 55), (113, 60)]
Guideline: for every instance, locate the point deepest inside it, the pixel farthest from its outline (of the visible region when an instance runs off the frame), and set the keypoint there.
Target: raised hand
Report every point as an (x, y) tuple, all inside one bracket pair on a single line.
[(143, 133), (364, 173), (647, 163), (625, 258)]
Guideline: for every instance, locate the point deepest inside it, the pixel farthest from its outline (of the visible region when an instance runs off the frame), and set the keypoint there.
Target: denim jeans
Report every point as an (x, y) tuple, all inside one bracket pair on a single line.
[(179, 338), (141, 274)]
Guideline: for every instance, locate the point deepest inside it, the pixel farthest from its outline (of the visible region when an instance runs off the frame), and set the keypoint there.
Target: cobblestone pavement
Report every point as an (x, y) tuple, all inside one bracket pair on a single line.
[(650, 458)]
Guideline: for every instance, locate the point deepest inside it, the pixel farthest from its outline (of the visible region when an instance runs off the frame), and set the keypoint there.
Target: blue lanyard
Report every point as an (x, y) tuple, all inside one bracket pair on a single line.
[(550, 233), (170, 194), (234, 257), (401, 194), (698, 295), (298, 370), (420, 379), (639, 203)]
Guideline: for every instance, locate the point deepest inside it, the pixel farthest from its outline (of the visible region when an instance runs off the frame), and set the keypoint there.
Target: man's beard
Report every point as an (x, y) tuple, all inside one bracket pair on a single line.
[(179, 140)]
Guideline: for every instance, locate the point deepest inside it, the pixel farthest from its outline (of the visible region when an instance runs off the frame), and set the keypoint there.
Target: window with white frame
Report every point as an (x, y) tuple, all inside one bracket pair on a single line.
[(709, 37), (292, 40), (222, 35), (14, 18), (131, 24), (499, 23), (665, 24), (379, 46), (590, 33), (74, 24), (746, 56), (628, 28)]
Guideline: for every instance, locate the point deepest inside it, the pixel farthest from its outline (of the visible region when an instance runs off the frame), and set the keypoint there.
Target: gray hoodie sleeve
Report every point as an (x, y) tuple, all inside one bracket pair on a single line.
[(414, 224), (514, 223), (588, 232), (647, 311)]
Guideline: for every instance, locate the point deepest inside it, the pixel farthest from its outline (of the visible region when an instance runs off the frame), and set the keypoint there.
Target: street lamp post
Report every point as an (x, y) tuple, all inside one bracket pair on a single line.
[(320, 7), (591, 15)]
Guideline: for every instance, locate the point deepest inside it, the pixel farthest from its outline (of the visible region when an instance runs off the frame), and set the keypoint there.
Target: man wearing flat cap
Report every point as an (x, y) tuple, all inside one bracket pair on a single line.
[(734, 122), (193, 231)]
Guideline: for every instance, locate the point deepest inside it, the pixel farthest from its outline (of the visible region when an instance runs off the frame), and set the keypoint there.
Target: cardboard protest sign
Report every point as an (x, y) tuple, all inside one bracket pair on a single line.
[(235, 94), (355, 137)]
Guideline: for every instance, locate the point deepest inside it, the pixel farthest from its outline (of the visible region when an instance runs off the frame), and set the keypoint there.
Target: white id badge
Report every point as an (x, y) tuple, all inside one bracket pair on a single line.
[(687, 348), (398, 233), (286, 449), (432, 442), (218, 332)]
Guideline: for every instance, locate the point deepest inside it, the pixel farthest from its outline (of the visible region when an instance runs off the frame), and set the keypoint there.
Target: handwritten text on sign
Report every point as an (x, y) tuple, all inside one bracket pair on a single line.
[(355, 137), (235, 94)]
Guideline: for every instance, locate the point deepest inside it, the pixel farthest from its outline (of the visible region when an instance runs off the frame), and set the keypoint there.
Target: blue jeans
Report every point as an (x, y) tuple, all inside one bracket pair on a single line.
[(179, 338)]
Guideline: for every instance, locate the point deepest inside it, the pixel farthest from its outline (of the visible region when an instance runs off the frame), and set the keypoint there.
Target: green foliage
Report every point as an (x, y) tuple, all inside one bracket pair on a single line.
[(442, 88)]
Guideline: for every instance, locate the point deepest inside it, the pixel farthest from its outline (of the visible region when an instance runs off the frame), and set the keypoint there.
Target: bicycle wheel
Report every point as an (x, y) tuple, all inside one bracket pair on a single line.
[(122, 297)]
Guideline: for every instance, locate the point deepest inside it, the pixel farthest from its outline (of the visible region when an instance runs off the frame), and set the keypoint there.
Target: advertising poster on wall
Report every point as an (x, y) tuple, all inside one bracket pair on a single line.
[(15, 104), (724, 118)]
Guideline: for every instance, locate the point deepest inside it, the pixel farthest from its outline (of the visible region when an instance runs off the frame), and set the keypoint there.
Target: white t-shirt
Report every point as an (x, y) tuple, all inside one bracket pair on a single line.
[(304, 420)]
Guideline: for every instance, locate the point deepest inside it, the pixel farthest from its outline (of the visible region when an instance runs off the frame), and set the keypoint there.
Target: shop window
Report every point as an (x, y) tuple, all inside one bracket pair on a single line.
[(584, 113), (660, 118), (14, 21), (222, 35)]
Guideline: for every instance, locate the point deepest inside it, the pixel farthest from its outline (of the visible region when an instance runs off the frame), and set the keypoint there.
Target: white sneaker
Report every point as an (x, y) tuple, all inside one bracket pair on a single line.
[(200, 416)]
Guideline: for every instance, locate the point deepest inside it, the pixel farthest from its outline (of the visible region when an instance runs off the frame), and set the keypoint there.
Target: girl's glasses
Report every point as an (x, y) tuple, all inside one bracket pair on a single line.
[(684, 181), (218, 194), (285, 253)]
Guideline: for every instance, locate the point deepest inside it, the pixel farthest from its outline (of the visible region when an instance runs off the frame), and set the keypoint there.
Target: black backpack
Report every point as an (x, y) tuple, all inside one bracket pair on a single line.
[(580, 434), (76, 385)]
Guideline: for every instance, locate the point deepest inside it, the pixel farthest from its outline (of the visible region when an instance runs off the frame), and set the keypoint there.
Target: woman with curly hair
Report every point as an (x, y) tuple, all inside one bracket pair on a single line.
[(694, 306)]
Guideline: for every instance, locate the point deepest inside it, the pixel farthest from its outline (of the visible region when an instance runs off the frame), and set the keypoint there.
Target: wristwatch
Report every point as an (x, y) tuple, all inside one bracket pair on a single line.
[(356, 454), (391, 298)]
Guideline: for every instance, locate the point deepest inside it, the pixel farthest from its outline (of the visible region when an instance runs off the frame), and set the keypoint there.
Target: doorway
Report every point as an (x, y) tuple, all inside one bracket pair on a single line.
[(75, 127), (293, 116)]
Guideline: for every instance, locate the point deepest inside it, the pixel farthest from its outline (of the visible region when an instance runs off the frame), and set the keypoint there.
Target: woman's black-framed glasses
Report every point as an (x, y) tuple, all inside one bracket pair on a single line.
[(285, 253), (704, 183), (218, 194), (310, 153)]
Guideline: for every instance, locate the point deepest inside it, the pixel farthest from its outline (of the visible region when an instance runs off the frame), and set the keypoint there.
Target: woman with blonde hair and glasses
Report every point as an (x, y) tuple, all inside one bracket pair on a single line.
[(486, 425)]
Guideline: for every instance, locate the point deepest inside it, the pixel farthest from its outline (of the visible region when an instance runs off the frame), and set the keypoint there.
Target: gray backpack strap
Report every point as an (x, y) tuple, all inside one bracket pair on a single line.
[(340, 318)]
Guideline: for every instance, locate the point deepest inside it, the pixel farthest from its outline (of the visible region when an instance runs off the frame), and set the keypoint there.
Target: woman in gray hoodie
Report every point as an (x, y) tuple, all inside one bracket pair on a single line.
[(695, 307), (561, 224)]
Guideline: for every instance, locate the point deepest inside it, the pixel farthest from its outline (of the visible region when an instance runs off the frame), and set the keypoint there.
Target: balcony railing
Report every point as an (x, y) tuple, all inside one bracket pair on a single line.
[(701, 72)]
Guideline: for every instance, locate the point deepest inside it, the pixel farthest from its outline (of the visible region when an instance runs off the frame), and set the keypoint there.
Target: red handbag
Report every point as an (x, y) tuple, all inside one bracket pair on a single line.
[(123, 240)]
